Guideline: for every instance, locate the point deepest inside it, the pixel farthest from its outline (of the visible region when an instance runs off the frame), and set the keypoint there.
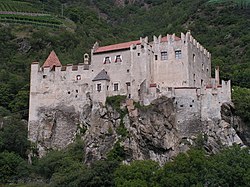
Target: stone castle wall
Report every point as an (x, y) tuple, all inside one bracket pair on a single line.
[(141, 75)]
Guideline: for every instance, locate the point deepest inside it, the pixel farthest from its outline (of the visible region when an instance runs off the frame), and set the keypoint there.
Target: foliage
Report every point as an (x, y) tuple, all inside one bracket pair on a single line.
[(101, 173), (13, 136), (18, 6), (239, 3), (139, 173), (57, 162), (121, 130), (222, 28), (117, 153), (241, 99), (12, 167), (116, 101)]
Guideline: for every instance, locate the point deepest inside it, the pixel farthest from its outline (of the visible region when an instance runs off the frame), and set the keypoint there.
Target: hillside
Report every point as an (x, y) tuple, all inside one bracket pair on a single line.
[(30, 29)]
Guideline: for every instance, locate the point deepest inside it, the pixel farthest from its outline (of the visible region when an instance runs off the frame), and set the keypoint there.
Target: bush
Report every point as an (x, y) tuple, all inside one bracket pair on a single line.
[(12, 167), (241, 99)]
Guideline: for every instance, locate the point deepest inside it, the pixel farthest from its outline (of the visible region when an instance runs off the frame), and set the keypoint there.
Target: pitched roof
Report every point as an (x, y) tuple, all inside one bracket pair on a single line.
[(119, 46), (52, 60), (101, 76), (165, 38)]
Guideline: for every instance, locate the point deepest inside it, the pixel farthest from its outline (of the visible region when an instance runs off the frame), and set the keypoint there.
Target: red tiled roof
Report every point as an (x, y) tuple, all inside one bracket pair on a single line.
[(119, 46), (165, 39), (52, 60)]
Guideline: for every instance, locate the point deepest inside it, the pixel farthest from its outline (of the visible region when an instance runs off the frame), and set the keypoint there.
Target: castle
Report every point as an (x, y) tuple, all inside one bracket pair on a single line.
[(143, 70)]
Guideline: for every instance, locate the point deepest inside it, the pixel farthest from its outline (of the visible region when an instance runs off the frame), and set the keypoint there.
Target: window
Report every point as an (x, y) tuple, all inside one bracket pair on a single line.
[(128, 83), (202, 67), (99, 87), (138, 54), (107, 60), (127, 70), (178, 54), (78, 77), (164, 55), (116, 87), (44, 76), (193, 57), (118, 58), (156, 57)]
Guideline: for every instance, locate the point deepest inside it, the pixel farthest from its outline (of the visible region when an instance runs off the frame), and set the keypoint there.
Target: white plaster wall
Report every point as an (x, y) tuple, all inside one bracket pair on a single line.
[(200, 67), (119, 72), (171, 72)]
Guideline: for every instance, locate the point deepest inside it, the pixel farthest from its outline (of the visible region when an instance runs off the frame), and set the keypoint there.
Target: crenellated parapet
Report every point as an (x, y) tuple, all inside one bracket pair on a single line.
[(195, 44)]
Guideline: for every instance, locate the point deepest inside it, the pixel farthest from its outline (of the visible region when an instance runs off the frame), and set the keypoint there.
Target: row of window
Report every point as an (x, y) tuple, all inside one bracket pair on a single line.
[(164, 55), (115, 86), (107, 60)]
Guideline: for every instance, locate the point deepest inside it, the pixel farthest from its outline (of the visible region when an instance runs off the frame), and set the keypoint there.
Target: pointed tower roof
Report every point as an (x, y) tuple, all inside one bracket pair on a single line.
[(101, 76), (52, 60)]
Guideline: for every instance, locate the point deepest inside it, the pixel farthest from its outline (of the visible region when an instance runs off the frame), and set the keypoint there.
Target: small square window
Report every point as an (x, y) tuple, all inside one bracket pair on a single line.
[(44, 76), (99, 87), (127, 70), (178, 54), (138, 54), (118, 58), (164, 55), (116, 87), (128, 83)]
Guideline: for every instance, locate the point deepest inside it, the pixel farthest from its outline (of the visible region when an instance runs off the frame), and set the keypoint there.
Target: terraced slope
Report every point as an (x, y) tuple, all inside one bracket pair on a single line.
[(26, 13)]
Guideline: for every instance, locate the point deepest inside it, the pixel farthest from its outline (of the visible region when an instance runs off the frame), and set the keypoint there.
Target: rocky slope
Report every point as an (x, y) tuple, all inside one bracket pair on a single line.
[(144, 132)]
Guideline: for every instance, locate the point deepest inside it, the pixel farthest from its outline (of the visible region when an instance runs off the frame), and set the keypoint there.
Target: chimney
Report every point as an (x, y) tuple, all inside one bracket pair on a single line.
[(86, 59), (217, 75)]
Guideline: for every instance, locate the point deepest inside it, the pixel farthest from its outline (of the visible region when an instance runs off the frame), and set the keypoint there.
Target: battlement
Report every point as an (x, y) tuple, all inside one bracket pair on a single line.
[(185, 39), (59, 70), (195, 44)]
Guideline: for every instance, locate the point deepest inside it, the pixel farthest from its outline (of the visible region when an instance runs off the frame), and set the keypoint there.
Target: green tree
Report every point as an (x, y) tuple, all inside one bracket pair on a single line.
[(241, 99), (139, 173), (12, 167), (187, 169), (13, 136)]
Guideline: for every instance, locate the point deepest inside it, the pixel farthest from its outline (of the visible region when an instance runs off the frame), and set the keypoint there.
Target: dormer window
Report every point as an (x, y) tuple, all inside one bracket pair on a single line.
[(178, 54), (164, 55), (118, 58), (107, 60)]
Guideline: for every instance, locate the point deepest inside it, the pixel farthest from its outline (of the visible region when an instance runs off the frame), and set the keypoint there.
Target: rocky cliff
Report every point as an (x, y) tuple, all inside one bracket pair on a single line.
[(143, 132)]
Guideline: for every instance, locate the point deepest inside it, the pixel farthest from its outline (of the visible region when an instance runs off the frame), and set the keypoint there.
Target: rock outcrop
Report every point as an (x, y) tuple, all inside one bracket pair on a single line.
[(144, 132)]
